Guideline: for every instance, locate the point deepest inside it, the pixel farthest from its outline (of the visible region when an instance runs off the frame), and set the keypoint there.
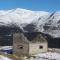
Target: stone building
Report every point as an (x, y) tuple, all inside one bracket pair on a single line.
[(24, 47)]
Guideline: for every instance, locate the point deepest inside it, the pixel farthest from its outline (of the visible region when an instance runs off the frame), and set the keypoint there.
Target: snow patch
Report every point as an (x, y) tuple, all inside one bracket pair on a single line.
[(4, 58), (45, 56)]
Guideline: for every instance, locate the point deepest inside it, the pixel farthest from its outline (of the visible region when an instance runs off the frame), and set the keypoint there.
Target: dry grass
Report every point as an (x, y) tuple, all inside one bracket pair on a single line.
[(13, 56), (20, 58), (17, 57)]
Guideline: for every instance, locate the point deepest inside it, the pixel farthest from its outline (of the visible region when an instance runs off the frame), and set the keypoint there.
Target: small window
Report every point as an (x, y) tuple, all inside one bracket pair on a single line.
[(20, 46), (40, 47)]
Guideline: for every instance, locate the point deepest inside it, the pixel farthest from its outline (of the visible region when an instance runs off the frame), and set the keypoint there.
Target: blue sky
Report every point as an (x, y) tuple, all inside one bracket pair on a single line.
[(42, 5)]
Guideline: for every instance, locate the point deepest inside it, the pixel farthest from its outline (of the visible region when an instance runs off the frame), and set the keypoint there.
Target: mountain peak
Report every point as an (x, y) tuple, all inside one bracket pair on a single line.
[(40, 21)]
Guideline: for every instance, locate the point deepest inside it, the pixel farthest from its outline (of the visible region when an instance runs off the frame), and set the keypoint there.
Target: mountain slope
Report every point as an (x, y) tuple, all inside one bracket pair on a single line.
[(32, 21)]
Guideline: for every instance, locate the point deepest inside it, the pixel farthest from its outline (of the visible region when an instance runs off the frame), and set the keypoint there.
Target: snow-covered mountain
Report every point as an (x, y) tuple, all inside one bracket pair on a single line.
[(32, 21)]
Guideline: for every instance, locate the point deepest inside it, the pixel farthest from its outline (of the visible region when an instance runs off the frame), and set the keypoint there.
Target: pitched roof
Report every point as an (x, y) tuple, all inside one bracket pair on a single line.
[(19, 37), (39, 38), (23, 38)]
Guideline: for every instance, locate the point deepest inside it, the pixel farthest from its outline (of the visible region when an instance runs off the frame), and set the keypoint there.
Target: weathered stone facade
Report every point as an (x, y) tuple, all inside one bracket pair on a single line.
[(23, 47)]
